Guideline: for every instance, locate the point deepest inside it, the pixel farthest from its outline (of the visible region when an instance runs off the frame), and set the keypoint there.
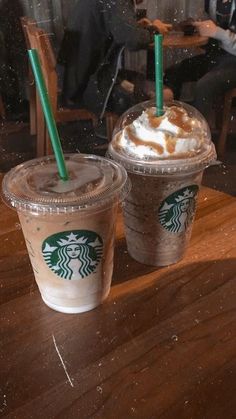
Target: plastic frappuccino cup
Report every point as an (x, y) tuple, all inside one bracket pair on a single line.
[(165, 158), (69, 226)]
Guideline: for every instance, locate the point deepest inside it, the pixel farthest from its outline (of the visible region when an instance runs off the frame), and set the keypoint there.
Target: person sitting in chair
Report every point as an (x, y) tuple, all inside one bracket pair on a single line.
[(214, 69), (91, 52)]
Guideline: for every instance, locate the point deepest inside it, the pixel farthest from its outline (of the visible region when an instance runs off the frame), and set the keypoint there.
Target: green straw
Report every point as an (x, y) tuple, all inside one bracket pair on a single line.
[(48, 114), (159, 74)]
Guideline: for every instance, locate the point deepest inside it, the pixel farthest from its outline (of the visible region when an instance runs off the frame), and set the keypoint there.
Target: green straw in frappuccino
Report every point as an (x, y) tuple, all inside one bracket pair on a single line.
[(159, 74), (48, 114)]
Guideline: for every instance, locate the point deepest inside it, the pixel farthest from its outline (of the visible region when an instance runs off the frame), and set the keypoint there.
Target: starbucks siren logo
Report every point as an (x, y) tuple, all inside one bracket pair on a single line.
[(73, 254), (177, 211)]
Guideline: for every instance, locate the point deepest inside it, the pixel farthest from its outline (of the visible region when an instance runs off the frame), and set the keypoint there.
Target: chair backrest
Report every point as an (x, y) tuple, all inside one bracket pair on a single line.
[(30, 28), (26, 23), (39, 39)]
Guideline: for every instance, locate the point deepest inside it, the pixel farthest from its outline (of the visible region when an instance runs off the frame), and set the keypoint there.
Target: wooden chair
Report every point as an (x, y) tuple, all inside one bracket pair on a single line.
[(38, 39), (229, 96), (37, 125), (27, 22)]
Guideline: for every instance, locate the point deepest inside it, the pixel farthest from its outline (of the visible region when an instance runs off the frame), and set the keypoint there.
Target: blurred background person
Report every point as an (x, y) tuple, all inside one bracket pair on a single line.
[(214, 69), (91, 52)]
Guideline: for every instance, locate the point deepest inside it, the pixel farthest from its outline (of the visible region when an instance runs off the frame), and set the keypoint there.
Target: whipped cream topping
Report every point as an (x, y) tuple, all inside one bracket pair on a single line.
[(172, 135)]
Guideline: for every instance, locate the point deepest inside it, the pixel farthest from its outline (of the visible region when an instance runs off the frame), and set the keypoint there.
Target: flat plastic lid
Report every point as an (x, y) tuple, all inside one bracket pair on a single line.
[(36, 186)]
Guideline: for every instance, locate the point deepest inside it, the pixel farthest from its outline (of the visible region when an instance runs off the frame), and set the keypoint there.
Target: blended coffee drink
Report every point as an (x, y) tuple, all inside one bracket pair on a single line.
[(165, 157), (68, 226)]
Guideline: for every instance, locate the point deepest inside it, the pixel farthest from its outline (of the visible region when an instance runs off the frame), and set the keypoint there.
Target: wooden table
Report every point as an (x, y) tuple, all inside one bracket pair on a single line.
[(179, 40), (162, 346), (173, 41)]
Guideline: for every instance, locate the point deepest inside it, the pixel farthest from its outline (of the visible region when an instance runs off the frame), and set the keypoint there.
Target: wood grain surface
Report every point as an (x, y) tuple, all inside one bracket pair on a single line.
[(179, 40), (163, 345), (184, 41)]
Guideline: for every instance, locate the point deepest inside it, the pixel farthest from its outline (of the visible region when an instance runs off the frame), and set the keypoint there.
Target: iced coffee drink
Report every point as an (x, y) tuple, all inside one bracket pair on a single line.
[(165, 157), (68, 226)]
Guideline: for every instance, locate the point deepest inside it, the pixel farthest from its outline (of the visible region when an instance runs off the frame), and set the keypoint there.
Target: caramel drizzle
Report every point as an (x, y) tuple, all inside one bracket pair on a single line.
[(154, 121), (177, 118), (159, 149), (170, 144)]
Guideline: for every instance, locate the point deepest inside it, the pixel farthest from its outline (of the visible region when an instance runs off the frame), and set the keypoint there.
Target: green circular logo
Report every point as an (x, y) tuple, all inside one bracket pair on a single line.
[(177, 211), (73, 254)]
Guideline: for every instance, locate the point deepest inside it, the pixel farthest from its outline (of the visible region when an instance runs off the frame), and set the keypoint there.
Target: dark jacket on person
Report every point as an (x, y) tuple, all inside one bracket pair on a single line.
[(209, 4), (96, 33)]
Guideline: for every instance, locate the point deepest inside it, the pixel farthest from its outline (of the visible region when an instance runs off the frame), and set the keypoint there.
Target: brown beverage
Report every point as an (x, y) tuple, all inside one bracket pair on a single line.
[(165, 158), (68, 226)]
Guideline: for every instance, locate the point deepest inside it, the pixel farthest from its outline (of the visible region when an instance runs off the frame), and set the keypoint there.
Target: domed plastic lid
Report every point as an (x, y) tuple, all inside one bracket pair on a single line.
[(36, 186), (176, 143)]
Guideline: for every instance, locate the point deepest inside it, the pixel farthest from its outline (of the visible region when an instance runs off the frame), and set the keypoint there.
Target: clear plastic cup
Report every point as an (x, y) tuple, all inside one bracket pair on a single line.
[(69, 226), (160, 208)]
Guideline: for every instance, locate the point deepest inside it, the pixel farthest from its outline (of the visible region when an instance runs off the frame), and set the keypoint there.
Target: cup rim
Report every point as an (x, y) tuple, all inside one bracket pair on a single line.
[(23, 200)]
